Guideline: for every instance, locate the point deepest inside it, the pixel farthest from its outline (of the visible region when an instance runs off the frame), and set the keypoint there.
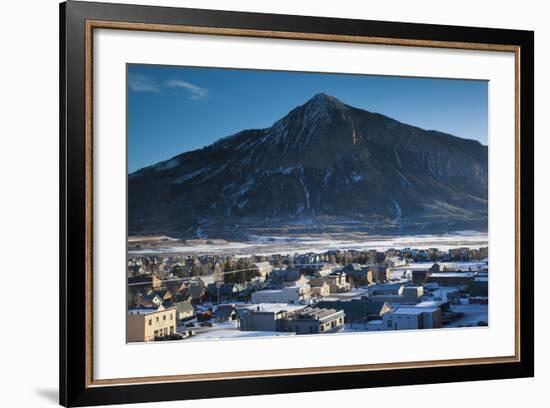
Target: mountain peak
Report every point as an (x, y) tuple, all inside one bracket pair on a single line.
[(323, 99), (324, 159)]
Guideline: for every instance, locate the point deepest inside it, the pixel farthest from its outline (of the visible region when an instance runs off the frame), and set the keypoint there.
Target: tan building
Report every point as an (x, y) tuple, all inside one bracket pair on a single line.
[(338, 282), (320, 290), (147, 324), (140, 286), (264, 268)]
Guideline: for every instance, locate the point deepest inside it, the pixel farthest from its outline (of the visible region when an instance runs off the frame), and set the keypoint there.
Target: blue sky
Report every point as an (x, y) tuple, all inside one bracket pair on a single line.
[(176, 109)]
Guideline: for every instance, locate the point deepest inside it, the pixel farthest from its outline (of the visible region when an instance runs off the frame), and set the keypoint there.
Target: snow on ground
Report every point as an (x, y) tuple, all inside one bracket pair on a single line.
[(355, 327), (441, 292), (215, 334), (473, 313), (265, 246), (354, 293)]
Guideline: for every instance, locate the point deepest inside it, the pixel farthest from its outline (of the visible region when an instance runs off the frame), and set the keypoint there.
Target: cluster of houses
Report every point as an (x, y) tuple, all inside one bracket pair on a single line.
[(313, 296)]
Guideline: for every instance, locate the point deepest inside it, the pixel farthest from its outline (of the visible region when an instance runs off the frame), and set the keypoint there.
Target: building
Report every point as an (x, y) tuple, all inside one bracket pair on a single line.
[(359, 275), (394, 261), (224, 313), (419, 276), (220, 292), (150, 300), (395, 292), (194, 290), (412, 318), (184, 310), (357, 310), (141, 285), (320, 290), (171, 284), (136, 269), (281, 278), (452, 278), (165, 295), (385, 289), (337, 282), (375, 325), (145, 282), (479, 287), (411, 294), (292, 294), (310, 263), (444, 305), (148, 324), (315, 320), (263, 268), (266, 317)]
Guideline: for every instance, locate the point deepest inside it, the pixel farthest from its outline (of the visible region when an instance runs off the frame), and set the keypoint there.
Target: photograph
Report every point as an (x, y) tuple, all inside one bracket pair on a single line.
[(267, 203), (289, 202)]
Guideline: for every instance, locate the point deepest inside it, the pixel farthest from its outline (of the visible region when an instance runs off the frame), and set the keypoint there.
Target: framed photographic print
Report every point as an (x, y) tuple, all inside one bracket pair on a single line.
[(275, 204)]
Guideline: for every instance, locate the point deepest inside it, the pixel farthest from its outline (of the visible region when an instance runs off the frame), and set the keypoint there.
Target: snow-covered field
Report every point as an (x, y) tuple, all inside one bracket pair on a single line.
[(216, 334), (472, 315), (269, 245)]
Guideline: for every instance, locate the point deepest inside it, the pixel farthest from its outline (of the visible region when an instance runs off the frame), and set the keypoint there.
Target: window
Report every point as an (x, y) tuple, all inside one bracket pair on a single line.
[(164, 318), (171, 329), (156, 333), (171, 316), (157, 319), (150, 322)]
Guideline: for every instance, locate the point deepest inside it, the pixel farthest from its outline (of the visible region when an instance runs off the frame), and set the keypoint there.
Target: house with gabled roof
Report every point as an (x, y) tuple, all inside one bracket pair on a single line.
[(224, 313)]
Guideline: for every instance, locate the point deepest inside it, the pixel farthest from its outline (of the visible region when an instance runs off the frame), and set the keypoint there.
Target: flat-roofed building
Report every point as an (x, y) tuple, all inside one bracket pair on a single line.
[(315, 320), (412, 293), (412, 318), (357, 310), (451, 278), (385, 289), (148, 324), (291, 294), (395, 293), (266, 317), (479, 286)]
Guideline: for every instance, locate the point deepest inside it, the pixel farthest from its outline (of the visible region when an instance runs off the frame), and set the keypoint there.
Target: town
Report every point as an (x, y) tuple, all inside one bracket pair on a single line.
[(208, 297)]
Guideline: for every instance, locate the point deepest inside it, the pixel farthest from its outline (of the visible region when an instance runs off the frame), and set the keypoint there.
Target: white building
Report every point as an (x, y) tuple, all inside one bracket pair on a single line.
[(412, 318), (291, 294), (264, 268)]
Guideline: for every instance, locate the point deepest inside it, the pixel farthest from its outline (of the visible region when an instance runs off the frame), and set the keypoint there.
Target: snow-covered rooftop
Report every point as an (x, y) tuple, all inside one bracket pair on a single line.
[(143, 310), (430, 303), (413, 310), (453, 275), (273, 307)]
